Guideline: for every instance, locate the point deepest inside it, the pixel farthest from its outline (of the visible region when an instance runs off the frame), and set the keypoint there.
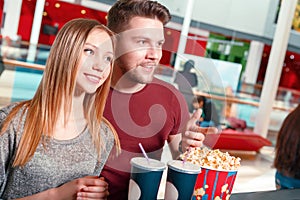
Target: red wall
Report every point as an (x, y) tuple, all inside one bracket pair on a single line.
[(1, 10), (58, 16), (54, 15), (290, 74), (171, 45)]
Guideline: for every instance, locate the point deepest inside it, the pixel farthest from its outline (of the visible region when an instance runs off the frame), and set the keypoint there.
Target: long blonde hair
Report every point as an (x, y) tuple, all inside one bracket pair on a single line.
[(55, 92)]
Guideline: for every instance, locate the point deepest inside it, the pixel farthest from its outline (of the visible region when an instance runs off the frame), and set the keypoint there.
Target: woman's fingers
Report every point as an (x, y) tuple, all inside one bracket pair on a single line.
[(93, 192)]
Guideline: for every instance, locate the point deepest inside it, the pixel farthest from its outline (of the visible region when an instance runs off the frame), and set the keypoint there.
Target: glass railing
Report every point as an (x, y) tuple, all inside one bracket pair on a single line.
[(23, 53), (23, 68)]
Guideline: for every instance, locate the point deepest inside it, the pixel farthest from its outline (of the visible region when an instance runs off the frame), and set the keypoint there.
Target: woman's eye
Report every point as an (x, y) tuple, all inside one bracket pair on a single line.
[(108, 59), (89, 51)]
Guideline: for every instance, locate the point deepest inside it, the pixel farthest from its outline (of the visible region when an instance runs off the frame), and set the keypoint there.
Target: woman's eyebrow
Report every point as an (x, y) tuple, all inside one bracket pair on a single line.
[(87, 43), (97, 47)]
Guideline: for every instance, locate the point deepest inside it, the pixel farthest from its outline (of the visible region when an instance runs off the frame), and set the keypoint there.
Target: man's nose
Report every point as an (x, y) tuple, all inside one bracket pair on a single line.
[(153, 53)]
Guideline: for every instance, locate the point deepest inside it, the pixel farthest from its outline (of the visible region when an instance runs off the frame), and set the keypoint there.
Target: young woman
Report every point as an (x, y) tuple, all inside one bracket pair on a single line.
[(55, 145), (287, 153)]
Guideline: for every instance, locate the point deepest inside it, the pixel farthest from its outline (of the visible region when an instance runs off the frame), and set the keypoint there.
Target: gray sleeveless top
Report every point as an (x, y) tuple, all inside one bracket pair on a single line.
[(61, 161)]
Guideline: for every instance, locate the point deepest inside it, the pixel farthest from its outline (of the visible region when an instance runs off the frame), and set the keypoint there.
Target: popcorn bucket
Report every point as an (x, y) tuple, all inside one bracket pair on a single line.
[(214, 184)]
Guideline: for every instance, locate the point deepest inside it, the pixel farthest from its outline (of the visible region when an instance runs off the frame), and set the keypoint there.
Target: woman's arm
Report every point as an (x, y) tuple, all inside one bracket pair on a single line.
[(88, 187), (7, 145)]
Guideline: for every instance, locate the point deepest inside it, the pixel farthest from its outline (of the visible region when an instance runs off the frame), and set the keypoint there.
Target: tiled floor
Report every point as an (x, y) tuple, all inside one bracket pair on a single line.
[(6, 84), (256, 172), (17, 85)]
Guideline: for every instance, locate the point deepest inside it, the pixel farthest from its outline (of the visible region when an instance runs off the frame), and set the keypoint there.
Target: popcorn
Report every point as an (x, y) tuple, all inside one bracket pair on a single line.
[(214, 159)]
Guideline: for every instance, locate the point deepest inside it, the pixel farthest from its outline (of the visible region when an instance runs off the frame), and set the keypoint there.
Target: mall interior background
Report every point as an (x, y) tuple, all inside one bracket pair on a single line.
[(219, 30), (229, 21)]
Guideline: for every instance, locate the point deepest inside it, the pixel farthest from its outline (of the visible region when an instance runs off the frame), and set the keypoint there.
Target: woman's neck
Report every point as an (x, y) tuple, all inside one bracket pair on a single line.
[(70, 125)]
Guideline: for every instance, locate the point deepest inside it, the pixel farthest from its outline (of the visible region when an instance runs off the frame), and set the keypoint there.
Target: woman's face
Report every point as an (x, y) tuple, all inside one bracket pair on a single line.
[(95, 62)]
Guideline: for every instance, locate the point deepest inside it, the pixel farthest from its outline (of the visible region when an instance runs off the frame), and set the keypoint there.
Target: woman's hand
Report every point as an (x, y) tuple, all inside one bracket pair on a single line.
[(99, 190), (88, 187)]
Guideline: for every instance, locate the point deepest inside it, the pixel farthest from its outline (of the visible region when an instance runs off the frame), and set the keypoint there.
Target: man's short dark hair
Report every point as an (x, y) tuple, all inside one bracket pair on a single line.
[(123, 11)]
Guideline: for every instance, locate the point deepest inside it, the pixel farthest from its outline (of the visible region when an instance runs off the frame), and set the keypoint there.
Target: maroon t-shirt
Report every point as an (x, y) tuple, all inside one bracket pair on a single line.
[(148, 117)]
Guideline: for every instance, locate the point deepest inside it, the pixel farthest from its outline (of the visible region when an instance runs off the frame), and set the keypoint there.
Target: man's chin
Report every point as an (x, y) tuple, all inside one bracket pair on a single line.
[(140, 77), (145, 81)]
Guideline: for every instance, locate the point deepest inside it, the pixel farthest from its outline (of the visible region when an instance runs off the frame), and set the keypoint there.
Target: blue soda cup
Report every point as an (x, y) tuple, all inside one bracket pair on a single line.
[(145, 178), (181, 179)]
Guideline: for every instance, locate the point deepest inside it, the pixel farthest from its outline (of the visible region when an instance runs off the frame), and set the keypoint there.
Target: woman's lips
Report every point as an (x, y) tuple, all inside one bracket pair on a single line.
[(93, 78)]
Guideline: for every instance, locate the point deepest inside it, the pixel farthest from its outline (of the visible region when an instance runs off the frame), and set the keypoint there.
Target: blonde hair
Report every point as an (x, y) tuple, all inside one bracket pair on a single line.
[(55, 92)]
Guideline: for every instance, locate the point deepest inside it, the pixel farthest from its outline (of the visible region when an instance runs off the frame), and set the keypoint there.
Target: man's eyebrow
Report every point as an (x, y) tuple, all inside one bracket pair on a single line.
[(147, 38), (141, 37)]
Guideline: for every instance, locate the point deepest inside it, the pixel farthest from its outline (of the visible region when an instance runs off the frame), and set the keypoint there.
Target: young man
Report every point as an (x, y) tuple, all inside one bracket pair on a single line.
[(142, 108)]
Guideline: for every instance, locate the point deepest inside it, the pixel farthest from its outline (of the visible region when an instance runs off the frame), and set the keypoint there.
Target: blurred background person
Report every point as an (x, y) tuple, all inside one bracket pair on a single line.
[(210, 116), (287, 152), (186, 80)]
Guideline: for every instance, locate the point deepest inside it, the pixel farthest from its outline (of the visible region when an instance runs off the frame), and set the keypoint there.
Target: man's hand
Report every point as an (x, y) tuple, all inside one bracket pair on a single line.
[(194, 134)]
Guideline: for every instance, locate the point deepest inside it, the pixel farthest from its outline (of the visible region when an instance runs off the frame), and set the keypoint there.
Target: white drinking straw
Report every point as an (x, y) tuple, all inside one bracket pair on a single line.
[(186, 156), (144, 153)]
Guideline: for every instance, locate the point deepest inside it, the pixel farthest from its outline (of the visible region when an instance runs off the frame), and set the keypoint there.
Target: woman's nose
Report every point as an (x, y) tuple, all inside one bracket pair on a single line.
[(98, 66)]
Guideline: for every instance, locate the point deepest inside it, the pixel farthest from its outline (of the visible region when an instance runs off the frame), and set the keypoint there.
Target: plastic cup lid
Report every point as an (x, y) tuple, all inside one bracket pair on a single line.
[(186, 167), (153, 165)]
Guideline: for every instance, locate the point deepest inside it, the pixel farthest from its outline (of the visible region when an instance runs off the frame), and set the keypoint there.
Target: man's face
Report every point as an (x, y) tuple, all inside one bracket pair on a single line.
[(139, 49)]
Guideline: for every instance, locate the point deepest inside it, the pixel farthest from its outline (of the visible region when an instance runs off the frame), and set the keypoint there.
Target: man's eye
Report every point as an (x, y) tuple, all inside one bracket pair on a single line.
[(160, 44), (142, 42), (89, 51)]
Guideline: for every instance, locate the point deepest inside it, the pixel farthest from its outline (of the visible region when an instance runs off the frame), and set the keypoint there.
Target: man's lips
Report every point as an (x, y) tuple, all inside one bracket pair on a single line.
[(148, 67)]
